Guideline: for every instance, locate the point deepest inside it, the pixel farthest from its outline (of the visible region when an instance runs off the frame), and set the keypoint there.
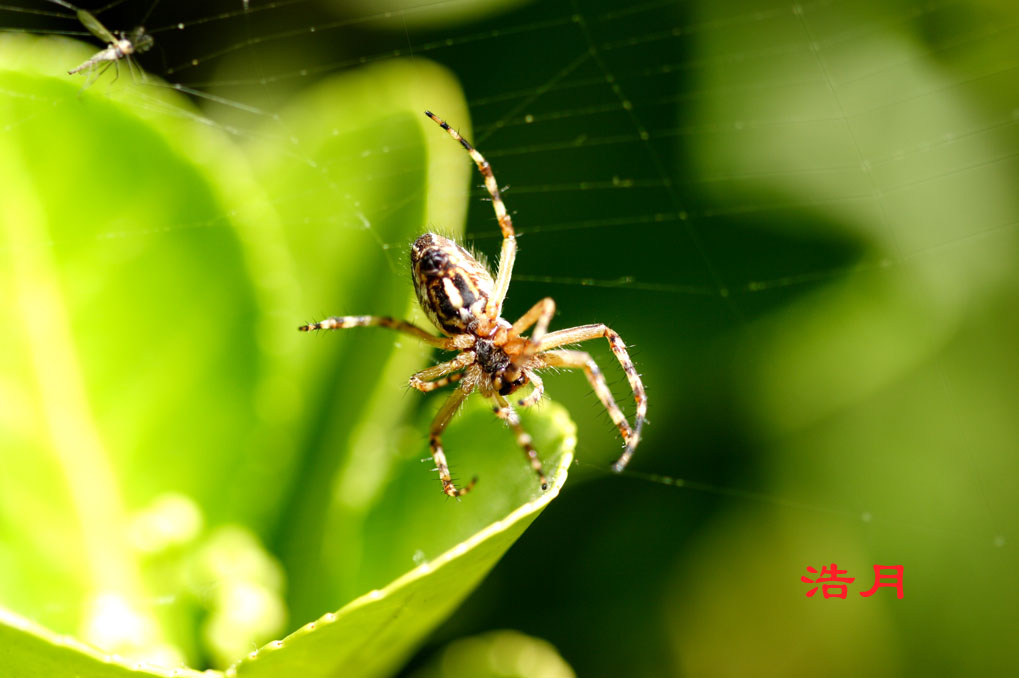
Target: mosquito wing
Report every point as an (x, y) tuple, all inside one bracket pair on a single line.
[(94, 27)]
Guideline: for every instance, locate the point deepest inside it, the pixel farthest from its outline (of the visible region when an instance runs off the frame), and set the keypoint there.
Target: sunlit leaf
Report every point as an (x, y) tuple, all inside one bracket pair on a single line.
[(169, 438), (30, 651), (453, 543)]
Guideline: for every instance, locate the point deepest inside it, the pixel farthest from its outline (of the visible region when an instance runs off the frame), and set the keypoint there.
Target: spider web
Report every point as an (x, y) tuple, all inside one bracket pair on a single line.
[(801, 214)]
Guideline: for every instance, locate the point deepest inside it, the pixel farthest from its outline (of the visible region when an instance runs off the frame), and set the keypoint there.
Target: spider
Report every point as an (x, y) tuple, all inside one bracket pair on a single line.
[(460, 297)]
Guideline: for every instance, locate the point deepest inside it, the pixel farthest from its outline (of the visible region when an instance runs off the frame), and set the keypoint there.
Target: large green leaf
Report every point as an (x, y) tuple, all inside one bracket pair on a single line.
[(371, 635), (30, 651), (131, 345), (453, 543), (366, 173), (173, 449)]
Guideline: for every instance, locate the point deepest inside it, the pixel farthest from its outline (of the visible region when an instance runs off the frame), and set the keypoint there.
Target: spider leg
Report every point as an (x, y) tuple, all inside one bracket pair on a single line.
[(509, 415), (436, 376), (346, 321), (439, 424), (535, 395), (493, 309), (539, 315), (584, 361), (427, 386), (583, 333)]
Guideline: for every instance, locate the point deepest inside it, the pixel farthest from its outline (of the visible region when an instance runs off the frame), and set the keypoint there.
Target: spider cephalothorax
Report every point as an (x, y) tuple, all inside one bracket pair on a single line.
[(459, 296)]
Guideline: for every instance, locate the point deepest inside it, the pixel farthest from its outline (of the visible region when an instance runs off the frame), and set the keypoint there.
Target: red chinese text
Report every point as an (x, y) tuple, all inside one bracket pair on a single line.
[(829, 590), (833, 585), (883, 580)]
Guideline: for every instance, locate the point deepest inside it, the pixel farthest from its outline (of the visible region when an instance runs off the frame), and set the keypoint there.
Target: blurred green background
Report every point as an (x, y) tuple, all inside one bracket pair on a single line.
[(802, 216)]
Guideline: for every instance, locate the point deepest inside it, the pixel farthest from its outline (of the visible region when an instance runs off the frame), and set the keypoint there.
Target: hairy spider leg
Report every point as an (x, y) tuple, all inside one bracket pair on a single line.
[(426, 380), (535, 395), (439, 383), (505, 412), (493, 309), (583, 360), (539, 315), (347, 321), (442, 418), (436, 376)]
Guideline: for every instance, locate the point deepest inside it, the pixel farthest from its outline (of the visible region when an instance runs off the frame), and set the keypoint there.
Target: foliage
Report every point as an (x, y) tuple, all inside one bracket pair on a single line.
[(182, 468)]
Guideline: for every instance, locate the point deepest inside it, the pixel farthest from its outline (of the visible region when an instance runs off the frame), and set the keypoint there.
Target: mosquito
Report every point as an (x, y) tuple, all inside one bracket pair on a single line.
[(122, 47)]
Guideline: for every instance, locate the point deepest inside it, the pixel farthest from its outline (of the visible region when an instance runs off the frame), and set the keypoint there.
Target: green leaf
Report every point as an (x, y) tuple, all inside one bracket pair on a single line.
[(30, 651), (372, 635), (497, 654), (365, 174), (132, 340), (153, 372)]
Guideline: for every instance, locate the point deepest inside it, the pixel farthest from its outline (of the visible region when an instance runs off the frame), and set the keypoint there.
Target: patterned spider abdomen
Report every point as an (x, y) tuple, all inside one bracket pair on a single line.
[(451, 285)]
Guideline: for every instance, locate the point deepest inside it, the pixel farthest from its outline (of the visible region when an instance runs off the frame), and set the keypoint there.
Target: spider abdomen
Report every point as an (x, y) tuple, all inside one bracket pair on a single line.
[(451, 285)]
